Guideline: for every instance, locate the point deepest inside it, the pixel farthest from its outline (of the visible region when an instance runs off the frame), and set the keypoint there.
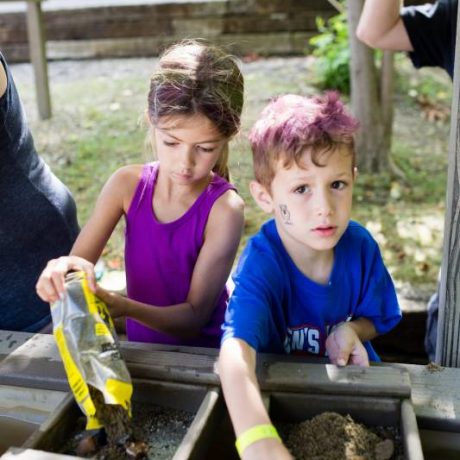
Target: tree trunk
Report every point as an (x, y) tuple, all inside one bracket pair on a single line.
[(375, 115), (386, 98)]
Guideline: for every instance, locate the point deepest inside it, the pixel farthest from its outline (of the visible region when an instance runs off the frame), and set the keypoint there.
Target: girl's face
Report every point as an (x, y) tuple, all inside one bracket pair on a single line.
[(188, 147)]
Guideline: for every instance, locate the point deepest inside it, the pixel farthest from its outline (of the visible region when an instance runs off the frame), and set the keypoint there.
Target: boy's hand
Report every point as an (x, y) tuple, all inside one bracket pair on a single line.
[(51, 284), (344, 347)]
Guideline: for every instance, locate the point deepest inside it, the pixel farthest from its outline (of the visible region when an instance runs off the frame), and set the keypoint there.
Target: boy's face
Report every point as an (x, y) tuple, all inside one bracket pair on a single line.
[(312, 204)]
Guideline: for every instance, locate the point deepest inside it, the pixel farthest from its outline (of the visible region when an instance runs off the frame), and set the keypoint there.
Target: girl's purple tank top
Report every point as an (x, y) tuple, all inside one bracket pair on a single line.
[(160, 258)]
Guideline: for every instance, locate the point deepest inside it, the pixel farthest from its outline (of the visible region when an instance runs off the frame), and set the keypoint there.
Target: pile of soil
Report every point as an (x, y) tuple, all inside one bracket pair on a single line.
[(433, 367), (331, 436), (154, 432)]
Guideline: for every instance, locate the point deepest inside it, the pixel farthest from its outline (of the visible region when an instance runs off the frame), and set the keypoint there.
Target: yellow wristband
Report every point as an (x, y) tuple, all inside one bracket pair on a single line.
[(256, 433)]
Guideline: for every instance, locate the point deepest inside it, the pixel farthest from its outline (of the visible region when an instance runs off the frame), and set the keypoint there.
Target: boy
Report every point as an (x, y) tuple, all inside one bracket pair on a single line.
[(311, 281)]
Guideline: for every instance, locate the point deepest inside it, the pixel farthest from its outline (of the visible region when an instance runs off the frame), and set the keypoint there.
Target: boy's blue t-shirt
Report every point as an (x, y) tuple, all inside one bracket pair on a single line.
[(276, 309)]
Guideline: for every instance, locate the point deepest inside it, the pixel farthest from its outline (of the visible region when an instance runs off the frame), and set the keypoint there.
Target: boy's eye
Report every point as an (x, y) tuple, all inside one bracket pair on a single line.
[(302, 189), (169, 143), (338, 185)]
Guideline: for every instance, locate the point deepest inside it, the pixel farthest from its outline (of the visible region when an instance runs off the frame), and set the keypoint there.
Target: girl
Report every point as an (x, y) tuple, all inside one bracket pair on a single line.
[(183, 219)]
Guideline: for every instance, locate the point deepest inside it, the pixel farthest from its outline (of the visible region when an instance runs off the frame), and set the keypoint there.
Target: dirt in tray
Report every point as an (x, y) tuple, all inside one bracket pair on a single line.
[(154, 432), (331, 436)]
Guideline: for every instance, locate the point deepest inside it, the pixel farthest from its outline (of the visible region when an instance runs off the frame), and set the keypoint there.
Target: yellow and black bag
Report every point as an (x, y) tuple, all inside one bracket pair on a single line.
[(89, 348)]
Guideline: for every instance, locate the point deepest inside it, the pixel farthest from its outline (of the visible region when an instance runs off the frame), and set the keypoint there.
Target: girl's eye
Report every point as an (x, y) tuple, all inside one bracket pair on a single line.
[(206, 149), (302, 189), (338, 185), (169, 143)]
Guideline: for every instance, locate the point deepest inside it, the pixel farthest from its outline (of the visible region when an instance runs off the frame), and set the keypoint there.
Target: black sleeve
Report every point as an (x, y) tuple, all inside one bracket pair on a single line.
[(432, 32)]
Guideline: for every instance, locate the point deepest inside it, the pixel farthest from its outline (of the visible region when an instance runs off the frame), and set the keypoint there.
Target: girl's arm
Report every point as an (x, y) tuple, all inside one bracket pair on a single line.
[(212, 269), (237, 363), (381, 26), (112, 202)]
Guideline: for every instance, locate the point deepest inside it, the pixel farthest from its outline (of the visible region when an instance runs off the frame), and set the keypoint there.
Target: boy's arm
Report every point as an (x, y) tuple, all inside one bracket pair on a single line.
[(381, 26), (364, 329), (237, 363), (345, 343)]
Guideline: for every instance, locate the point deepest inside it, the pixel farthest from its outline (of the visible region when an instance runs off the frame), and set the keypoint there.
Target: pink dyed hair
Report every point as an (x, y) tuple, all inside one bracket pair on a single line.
[(290, 124)]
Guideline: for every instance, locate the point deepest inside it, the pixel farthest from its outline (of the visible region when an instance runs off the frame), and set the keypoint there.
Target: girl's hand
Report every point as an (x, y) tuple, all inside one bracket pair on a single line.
[(344, 347), (50, 286), (116, 303)]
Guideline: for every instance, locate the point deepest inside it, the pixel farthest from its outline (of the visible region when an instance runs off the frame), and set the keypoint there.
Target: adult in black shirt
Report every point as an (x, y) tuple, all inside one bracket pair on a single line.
[(427, 32), (38, 219)]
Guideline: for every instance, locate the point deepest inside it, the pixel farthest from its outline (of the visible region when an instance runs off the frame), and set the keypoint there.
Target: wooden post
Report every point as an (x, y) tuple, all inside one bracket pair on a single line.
[(448, 336), (37, 47)]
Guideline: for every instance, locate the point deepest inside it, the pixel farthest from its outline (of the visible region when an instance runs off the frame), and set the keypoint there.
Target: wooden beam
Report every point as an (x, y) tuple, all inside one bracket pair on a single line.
[(37, 47), (434, 392), (448, 334)]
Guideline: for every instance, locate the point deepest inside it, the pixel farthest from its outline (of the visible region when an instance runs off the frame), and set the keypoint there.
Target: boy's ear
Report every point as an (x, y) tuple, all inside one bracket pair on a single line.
[(261, 196)]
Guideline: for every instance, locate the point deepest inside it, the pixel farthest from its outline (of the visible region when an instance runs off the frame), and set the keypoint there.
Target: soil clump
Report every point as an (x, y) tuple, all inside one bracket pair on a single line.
[(433, 367)]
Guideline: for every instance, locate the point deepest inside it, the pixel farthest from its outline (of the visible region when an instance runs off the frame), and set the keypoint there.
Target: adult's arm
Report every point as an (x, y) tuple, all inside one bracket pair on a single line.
[(3, 80), (237, 363), (380, 26)]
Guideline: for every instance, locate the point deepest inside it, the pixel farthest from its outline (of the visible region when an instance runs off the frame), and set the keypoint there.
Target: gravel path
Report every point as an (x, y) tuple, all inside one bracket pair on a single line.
[(280, 69), (60, 71)]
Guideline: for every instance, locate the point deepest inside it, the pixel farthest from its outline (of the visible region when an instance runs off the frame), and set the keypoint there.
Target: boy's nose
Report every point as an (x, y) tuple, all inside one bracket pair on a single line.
[(323, 204)]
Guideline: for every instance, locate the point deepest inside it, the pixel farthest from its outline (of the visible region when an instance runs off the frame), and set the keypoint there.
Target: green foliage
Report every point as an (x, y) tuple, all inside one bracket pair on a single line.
[(332, 54), (429, 89)]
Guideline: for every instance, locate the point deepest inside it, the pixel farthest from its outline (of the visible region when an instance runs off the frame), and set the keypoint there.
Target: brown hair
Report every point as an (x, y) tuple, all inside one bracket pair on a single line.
[(194, 77)]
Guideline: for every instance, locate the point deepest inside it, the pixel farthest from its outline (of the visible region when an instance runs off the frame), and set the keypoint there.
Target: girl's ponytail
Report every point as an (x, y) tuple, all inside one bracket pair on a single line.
[(221, 167)]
